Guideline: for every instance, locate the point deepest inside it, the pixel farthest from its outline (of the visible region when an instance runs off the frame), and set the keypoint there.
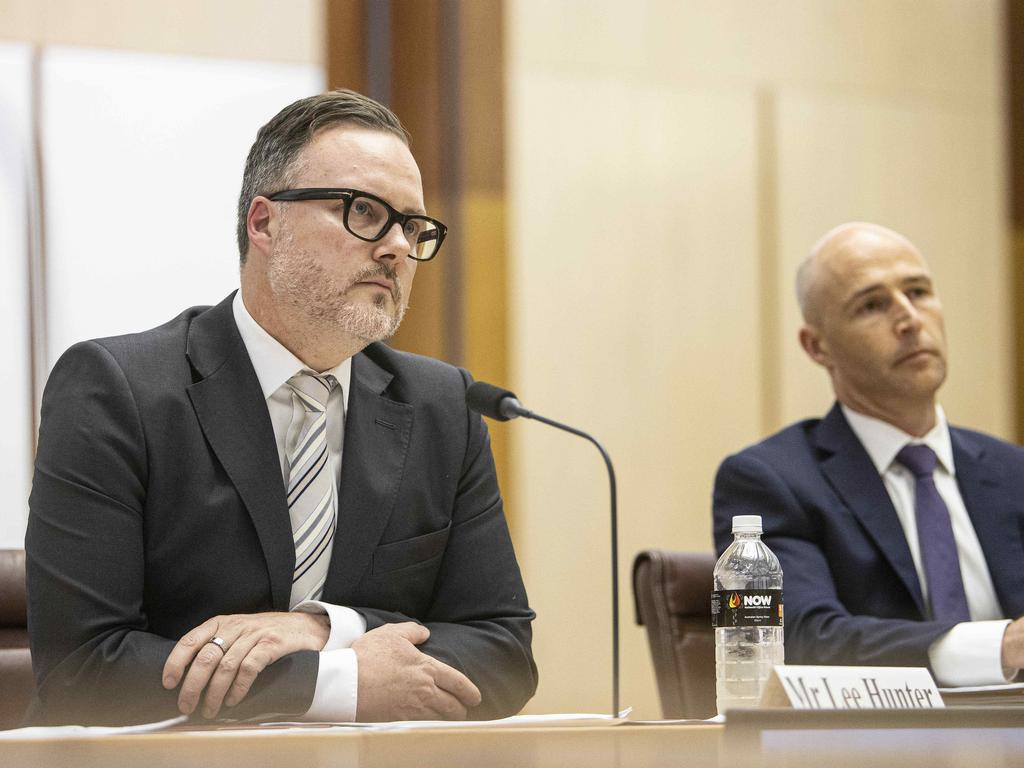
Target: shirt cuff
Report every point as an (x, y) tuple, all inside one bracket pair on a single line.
[(337, 686), (347, 625), (970, 654)]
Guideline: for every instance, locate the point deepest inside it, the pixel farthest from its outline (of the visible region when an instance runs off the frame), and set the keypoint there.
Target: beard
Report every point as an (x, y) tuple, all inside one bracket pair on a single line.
[(299, 280)]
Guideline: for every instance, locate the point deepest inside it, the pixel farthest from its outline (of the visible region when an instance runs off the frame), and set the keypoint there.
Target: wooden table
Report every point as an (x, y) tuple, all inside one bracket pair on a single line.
[(752, 739), (954, 737), (593, 747)]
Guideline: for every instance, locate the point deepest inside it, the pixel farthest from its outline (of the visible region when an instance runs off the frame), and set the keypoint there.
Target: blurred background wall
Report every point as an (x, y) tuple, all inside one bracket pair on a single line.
[(668, 168), (630, 190)]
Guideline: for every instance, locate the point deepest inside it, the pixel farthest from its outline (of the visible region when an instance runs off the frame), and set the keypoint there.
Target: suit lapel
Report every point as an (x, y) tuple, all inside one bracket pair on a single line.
[(233, 414), (854, 477), (377, 435), (991, 509)]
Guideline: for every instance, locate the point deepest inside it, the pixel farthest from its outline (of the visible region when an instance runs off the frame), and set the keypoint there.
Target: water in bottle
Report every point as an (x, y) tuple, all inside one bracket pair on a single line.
[(746, 612)]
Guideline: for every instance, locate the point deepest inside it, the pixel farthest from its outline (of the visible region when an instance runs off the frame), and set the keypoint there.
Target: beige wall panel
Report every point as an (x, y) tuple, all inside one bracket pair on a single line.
[(884, 109), (267, 30), (935, 48), (934, 174), (634, 307)]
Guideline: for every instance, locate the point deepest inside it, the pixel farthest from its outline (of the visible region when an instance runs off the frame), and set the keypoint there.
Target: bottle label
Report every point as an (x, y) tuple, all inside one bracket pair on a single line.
[(746, 608)]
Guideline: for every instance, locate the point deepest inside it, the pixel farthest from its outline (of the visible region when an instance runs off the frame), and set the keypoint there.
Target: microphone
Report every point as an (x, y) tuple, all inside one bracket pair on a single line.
[(494, 402), (503, 405)]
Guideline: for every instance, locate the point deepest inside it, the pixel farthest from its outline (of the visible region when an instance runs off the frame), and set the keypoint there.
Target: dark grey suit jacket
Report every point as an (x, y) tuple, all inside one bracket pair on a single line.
[(158, 502)]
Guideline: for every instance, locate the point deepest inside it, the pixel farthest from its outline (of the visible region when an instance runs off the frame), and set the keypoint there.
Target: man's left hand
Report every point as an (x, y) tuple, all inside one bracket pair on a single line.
[(251, 643)]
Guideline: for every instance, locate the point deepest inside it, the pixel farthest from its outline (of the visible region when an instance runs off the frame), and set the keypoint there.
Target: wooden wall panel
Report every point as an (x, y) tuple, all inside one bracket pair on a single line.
[(932, 171), (1014, 15), (446, 83), (668, 167), (635, 311), (416, 67), (346, 54), (262, 30), (483, 221)]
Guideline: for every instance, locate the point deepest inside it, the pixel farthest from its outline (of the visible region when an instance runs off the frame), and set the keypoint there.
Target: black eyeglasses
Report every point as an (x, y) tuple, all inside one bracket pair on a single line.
[(369, 218)]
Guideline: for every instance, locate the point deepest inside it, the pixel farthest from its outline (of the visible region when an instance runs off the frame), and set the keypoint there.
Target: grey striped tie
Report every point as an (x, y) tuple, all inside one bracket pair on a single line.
[(312, 499)]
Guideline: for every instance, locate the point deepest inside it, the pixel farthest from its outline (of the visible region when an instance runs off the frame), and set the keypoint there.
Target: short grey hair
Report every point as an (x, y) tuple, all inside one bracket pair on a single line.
[(807, 273), (271, 164), (805, 277)]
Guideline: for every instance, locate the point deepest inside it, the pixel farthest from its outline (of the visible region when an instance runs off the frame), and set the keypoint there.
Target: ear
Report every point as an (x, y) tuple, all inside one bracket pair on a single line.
[(815, 346), (258, 224)]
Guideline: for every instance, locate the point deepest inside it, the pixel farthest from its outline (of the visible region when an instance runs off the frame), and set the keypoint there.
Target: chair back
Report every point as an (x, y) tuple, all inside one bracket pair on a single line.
[(16, 680), (672, 591)]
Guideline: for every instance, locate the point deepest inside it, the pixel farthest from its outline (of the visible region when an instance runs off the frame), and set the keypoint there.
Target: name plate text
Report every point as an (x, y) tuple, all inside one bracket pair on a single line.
[(813, 687)]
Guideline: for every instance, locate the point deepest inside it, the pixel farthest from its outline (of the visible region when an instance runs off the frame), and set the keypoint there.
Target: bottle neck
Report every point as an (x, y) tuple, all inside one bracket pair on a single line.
[(746, 536)]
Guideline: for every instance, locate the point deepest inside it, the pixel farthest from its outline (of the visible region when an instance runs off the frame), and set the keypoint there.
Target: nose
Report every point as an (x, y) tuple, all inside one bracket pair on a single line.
[(393, 245), (908, 318)]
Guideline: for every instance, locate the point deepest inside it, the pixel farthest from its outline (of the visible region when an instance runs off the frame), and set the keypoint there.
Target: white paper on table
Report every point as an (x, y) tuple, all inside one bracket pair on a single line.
[(37, 733), (571, 720), (713, 720), (1001, 688)]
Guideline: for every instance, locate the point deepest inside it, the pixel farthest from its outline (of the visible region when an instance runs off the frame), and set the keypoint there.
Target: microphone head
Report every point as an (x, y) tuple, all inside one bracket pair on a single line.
[(487, 400)]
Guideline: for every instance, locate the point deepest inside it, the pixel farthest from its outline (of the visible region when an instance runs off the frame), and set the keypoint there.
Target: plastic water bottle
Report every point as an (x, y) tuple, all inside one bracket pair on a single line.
[(746, 611)]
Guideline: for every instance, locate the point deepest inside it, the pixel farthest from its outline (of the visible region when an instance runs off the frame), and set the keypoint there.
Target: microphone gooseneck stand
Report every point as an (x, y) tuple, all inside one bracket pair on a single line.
[(502, 405)]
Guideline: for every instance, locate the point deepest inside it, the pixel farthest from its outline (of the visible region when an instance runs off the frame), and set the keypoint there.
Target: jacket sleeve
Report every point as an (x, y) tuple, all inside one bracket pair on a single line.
[(95, 659), (818, 627), (479, 617)]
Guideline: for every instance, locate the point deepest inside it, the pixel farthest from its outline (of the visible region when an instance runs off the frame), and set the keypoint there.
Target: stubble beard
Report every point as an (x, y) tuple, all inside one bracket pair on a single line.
[(299, 281)]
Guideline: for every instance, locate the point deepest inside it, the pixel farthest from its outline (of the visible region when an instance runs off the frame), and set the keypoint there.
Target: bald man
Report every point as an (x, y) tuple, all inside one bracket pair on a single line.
[(900, 537)]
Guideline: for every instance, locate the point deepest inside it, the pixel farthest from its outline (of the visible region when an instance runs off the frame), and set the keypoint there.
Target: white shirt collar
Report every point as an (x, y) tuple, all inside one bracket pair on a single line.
[(883, 441), (273, 363)]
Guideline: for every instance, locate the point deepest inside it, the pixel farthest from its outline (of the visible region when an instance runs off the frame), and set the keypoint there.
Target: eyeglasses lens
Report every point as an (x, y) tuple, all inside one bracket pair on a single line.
[(427, 239), (368, 218)]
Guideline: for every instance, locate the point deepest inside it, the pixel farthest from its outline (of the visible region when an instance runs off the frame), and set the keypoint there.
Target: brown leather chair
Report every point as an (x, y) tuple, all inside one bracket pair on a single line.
[(672, 591), (16, 682)]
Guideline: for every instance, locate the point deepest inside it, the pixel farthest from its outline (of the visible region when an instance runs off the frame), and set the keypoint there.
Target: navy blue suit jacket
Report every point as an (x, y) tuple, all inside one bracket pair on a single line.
[(852, 595)]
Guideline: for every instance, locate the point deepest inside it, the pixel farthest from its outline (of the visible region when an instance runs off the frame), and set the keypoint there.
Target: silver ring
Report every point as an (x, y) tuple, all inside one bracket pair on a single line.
[(219, 642)]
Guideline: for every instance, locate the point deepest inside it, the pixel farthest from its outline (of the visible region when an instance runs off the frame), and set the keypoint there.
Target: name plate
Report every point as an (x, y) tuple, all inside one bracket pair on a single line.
[(811, 687)]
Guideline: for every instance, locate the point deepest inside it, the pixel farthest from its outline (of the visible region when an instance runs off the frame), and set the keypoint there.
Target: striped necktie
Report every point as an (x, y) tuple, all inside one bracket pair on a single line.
[(312, 498)]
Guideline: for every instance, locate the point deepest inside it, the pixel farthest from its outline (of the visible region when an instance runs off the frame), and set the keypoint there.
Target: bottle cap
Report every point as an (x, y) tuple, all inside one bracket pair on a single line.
[(746, 524)]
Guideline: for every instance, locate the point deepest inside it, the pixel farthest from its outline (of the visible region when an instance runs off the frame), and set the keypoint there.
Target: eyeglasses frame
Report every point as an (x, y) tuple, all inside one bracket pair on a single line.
[(348, 195)]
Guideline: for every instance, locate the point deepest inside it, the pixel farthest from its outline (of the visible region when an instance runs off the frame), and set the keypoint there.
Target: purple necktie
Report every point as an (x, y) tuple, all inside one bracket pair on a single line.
[(935, 537)]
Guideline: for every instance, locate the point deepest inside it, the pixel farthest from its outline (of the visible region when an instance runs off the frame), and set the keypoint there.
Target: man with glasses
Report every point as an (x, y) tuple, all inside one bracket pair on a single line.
[(258, 509)]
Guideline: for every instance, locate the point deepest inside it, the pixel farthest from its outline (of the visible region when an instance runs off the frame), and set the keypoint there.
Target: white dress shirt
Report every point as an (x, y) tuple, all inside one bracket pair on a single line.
[(337, 677), (970, 653)]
